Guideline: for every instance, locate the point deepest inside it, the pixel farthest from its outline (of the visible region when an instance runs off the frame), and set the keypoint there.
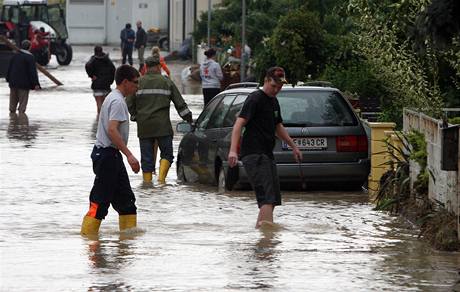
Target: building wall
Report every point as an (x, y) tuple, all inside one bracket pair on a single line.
[(176, 24), (100, 21), (184, 14), (84, 21)]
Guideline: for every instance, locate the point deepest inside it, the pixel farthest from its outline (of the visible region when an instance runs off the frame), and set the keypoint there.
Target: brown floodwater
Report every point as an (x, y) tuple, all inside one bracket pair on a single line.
[(189, 237)]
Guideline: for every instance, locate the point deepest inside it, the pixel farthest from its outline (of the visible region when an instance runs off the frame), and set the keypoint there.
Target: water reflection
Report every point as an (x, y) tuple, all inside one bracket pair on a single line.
[(19, 128), (263, 266), (265, 246), (108, 257)]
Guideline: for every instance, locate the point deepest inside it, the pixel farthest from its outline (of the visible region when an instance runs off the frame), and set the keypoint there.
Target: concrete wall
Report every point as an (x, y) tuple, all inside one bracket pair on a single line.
[(184, 14), (444, 187), (100, 22)]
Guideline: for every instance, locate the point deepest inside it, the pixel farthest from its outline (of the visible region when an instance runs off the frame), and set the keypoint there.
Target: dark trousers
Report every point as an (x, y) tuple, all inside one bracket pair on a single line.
[(127, 51), (111, 185), (166, 151), (209, 93)]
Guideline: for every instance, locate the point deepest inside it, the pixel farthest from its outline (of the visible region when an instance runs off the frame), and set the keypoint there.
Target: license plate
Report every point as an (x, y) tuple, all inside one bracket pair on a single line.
[(308, 143)]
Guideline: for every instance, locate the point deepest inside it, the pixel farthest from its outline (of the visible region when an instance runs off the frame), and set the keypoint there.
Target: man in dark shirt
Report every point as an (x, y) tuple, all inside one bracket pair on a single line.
[(261, 117), (22, 76), (141, 42), (127, 36)]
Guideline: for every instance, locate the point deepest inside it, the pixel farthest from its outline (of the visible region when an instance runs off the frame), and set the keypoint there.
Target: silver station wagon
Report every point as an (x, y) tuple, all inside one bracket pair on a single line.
[(320, 120)]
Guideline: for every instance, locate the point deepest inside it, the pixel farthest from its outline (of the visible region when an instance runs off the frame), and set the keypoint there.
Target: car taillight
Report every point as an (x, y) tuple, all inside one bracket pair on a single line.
[(351, 143)]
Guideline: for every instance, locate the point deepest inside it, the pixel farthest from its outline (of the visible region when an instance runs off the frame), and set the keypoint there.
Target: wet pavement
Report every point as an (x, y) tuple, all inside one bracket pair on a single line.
[(190, 238)]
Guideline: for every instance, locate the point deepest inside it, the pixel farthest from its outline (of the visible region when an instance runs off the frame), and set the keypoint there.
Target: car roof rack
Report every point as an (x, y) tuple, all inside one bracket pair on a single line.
[(318, 83), (243, 85)]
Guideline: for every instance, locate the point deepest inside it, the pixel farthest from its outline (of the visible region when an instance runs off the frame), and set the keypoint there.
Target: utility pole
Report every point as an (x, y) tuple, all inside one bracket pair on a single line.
[(243, 41), (209, 23)]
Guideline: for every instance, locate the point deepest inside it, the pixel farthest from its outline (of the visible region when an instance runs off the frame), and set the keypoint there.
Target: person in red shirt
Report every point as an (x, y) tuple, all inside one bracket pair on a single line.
[(164, 67)]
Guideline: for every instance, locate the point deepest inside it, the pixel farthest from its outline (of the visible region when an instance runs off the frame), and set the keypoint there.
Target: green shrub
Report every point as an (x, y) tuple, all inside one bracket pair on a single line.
[(455, 121)]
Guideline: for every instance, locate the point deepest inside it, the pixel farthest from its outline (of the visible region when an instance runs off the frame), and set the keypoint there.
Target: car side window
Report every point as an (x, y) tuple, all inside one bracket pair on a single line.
[(234, 110), (220, 112), (205, 115)]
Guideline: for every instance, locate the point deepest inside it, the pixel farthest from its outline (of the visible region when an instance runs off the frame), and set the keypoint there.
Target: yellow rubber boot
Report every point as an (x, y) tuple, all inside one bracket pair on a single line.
[(127, 221), (147, 177), (90, 226), (164, 168)]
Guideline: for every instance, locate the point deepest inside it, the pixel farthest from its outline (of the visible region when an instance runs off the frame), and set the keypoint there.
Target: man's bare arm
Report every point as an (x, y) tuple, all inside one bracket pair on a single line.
[(284, 135), (236, 134), (116, 139)]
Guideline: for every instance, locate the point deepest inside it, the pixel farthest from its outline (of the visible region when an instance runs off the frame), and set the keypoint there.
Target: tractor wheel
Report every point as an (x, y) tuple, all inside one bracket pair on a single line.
[(64, 54)]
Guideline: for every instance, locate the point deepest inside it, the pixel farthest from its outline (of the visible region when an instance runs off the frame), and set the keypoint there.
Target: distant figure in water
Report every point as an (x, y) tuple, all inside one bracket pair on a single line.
[(102, 72)]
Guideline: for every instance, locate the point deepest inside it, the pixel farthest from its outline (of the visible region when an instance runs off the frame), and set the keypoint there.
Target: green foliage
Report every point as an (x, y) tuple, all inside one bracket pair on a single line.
[(261, 18), (410, 49), (418, 152), (394, 188), (455, 121), (356, 78), (297, 44), (383, 31)]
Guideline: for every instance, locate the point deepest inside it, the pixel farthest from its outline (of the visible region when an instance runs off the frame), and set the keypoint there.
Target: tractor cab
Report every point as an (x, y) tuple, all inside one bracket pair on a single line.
[(41, 23)]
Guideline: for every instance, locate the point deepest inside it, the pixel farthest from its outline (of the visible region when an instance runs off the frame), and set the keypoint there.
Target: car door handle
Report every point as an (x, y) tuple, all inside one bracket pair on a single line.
[(214, 140)]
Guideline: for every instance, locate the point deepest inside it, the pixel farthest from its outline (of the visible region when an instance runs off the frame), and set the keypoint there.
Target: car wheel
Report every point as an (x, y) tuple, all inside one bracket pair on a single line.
[(180, 171), (164, 44), (64, 54)]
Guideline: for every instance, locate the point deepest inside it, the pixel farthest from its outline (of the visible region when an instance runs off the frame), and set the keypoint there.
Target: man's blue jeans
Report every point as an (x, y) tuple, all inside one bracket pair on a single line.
[(166, 151)]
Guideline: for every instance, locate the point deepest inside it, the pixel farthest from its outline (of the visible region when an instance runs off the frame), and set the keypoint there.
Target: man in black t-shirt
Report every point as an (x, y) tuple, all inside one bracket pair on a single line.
[(261, 117)]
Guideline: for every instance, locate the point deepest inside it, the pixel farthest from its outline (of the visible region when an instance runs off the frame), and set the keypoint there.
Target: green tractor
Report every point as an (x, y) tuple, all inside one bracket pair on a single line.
[(41, 23)]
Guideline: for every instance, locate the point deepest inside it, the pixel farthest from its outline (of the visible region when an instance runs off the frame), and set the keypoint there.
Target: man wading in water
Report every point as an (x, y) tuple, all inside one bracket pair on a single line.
[(261, 117), (111, 185)]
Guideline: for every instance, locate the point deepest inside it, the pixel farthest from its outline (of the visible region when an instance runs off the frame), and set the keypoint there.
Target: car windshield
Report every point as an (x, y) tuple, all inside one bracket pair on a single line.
[(315, 108)]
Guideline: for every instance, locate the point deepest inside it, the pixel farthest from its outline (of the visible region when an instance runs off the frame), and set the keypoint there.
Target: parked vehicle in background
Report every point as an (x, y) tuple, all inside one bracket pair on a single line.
[(32, 19), (320, 120), (157, 37)]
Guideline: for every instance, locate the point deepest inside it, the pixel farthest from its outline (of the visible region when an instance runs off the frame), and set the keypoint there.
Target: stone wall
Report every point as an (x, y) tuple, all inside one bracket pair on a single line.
[(443, 185)]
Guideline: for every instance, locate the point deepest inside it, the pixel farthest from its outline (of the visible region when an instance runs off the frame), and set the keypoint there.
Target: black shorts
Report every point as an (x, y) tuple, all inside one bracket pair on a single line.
[(262, 175)]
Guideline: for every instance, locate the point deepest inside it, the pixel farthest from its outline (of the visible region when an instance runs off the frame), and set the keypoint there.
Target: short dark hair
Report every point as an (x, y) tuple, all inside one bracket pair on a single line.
[(128, 25), (125, 72), (210, 53), (98, 51), (276, 74)]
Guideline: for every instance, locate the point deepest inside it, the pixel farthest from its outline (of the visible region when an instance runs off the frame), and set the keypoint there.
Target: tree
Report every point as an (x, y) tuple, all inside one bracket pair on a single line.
[(384, 28), (297, 44)]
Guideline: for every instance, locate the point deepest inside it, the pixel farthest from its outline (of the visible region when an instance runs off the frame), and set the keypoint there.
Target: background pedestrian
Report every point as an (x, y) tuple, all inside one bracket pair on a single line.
[(150, 107), (111, 185), (211, 75), (102, 73), (261, 117), (164, 68), (127, 36), (21, 77), (141, 43)]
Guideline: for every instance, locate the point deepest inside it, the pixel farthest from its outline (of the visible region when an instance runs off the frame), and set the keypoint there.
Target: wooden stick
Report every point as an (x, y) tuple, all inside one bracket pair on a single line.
[(39, 67)]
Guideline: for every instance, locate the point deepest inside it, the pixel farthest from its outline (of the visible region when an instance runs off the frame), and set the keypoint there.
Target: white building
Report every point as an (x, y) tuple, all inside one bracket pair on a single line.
[(100, 21)]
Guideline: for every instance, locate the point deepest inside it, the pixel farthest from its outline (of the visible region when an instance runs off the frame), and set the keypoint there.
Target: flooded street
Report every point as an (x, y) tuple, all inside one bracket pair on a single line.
[(190, 238)]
